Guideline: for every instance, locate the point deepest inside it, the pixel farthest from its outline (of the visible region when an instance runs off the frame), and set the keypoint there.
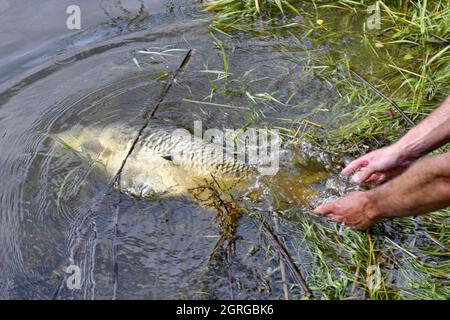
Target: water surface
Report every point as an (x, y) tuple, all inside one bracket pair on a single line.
[(57, 210)]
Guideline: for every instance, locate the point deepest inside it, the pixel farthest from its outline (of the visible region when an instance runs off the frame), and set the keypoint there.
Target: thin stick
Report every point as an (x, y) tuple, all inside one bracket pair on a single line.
[(116, 180), (114, 253), (378, 92), (287, 258), (163, 94), (230, 275), (282, 266)]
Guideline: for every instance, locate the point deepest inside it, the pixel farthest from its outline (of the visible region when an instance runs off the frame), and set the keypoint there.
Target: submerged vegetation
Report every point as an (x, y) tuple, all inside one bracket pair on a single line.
[(403, 51), (405, 55)]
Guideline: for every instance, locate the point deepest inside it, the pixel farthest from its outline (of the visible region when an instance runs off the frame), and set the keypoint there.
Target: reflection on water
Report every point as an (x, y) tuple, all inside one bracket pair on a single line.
[(56, 207)]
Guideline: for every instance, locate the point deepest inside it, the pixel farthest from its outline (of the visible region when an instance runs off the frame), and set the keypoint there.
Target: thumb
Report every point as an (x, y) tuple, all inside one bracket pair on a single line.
[(355, 165), (325, 209)]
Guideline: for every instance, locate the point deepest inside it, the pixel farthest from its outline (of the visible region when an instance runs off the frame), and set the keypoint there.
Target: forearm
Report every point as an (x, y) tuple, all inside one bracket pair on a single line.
[(424, 187), (429, 134)]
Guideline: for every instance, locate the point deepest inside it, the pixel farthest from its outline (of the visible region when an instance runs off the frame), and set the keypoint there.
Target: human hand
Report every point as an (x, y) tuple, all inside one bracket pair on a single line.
[(357, 210), (378, 166)]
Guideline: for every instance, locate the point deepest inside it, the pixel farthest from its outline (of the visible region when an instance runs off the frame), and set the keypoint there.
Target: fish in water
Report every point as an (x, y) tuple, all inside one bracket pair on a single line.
[(165, 161)]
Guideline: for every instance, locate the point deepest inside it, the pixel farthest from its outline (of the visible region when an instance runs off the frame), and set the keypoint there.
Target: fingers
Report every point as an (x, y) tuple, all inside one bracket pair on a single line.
[(330, 211), (380, 177), (362, 166), (362, 175), (337, 218), (325, 209), (354, 166), (342, 220), (376, 178)]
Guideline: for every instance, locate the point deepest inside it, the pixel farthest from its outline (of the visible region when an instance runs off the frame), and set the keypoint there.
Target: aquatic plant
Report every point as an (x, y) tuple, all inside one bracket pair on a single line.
[(407, 59)]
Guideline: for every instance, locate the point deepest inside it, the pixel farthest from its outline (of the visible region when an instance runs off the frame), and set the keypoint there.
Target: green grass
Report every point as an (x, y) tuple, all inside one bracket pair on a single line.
[(408, 60)]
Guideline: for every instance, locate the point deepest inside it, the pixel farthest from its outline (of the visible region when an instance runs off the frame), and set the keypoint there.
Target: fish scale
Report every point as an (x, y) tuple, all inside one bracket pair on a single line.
[(162, 162), (191, 154)]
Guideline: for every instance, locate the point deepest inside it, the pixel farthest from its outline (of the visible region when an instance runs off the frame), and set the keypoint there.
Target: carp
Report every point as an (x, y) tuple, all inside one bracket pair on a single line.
[(166, 160)]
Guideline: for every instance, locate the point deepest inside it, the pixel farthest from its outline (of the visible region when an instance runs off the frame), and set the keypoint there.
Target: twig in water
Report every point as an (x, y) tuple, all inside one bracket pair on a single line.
[(116, 180), (378, 92), (114, 253), (287, 258), (282, 267)]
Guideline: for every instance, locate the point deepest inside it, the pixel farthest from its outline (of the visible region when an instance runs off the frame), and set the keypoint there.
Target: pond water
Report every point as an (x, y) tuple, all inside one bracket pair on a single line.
[(58, 211)]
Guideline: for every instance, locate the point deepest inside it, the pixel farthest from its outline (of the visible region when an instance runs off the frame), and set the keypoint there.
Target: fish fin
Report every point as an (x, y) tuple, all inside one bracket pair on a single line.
[(168, 158)]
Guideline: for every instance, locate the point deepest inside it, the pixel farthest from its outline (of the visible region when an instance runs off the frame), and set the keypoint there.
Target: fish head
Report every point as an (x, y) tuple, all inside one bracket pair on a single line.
[(106, 147)]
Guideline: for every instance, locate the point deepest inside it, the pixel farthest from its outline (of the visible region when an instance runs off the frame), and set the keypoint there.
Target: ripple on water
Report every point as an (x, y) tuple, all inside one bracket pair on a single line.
[(56, 208)]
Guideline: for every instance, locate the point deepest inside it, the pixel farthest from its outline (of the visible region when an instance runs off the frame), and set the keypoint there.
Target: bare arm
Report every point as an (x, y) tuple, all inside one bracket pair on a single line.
[(429, 134), (424, 187), (383, 164)]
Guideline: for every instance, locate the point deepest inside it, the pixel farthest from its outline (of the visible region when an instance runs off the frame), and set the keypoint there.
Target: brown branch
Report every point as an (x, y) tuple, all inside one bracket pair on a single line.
[(287, 259), (384, 97), (284, 282), (116, 180)]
